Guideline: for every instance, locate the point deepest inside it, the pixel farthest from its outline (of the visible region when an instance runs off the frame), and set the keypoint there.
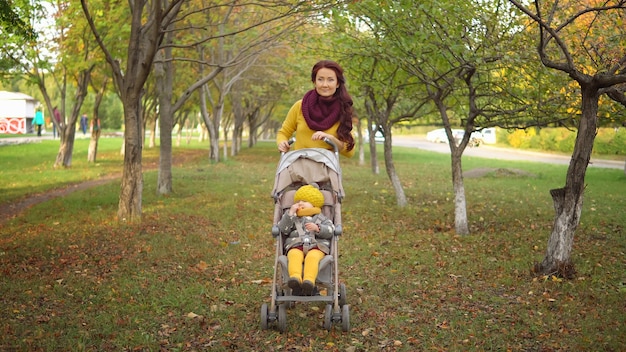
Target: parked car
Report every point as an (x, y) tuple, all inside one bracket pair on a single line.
[(378, 137), (439, 136), (488, 135)]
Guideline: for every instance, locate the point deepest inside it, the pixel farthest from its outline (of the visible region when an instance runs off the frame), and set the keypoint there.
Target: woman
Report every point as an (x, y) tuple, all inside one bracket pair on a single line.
[(323, 112)]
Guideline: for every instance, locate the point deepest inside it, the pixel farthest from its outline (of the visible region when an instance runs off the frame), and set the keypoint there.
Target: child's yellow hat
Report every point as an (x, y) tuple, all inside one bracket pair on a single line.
[(309, 194)]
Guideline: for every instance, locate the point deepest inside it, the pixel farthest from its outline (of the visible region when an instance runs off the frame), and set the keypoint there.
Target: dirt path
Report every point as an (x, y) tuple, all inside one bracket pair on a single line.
[(10, 210)]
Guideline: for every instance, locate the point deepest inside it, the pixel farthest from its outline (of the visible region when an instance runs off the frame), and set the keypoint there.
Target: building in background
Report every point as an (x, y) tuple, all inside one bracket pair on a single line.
[(17, 111)]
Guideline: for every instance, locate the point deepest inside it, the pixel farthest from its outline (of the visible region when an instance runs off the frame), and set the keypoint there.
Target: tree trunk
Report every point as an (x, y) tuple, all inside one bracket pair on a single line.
[(373, 153), (129, 207), (189, 131), (164, 183), (568, 201), (165, 77), (64, 157), (152, 139), (461, 226), (225, 150), (92, 152), (357, 126), (214, 133), (214, 151), (234, 142), (391, 171)]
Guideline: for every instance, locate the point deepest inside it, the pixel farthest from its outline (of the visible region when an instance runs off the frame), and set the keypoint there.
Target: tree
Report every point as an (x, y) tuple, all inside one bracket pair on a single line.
[(148, 21), (379, 85), (76, 61), (14, 19), (453, 50), (585, 41), (52, 56), (385, 90)]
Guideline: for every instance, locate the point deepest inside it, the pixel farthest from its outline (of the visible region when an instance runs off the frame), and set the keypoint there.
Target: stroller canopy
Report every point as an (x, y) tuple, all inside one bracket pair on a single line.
[(306, 166)]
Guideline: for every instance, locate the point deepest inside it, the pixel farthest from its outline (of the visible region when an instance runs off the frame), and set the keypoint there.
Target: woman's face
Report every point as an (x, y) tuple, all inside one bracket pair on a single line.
[(326, 82)]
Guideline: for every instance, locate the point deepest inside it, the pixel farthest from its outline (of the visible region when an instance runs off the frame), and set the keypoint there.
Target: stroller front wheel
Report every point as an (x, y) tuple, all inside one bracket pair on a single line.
[(328, 317), (264, 316), (282, 317), (345, 318)]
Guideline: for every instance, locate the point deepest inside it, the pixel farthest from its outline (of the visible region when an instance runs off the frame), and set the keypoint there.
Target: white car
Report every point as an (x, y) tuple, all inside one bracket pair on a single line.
[(488, 135), (439, 135), (378, 137)]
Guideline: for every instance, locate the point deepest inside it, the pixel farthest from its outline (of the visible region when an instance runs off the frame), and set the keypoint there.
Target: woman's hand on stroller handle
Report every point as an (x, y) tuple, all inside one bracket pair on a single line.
[(284, 146), (319, 135)]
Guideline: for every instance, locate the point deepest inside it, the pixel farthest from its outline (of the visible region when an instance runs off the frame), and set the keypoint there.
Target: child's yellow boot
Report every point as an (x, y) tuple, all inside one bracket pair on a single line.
[(311, 268), (295, 257)]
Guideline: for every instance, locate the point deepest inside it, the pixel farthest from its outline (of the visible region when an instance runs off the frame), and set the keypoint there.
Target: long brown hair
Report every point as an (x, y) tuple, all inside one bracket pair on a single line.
[(344, 131)]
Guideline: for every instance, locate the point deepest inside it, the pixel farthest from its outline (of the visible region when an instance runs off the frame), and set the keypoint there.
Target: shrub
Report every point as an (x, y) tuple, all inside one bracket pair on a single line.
[(521, 138), (609, 141)]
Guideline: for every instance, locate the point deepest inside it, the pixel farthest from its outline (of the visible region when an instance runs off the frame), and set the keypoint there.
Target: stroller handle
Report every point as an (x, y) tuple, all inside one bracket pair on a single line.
[(332, 144), (327, 140)]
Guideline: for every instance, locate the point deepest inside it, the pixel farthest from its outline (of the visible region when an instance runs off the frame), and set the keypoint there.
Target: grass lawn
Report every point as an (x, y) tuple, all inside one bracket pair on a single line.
[(194, 274)]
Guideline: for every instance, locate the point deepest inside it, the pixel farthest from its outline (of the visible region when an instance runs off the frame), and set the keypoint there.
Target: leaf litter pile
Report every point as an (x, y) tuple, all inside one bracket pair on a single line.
[(194, 274)]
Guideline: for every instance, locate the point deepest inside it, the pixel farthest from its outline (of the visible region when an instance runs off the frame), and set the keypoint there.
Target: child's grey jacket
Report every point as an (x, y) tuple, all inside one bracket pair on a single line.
[(287, 226)]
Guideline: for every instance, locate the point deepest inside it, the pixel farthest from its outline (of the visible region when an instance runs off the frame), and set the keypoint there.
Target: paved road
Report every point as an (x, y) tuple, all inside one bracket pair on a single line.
[(491, 152)]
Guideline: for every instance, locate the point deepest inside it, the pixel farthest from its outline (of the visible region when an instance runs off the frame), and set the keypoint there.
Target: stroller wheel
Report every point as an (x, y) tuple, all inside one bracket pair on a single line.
[(279, 290), (328, 316), (264, 322), (342, 295), (282, 318), (345, 318)]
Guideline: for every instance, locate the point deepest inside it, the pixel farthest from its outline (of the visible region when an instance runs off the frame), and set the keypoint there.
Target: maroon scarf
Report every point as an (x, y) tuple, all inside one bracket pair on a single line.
[(320, 113)]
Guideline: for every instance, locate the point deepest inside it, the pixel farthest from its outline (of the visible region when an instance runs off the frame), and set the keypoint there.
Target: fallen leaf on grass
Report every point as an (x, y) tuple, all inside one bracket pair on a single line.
[(202, 266), (443, 325), (192, 315)]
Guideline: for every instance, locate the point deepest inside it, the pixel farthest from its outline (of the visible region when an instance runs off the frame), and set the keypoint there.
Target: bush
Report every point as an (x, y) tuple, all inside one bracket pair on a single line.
[(521, 138), (609, 141)]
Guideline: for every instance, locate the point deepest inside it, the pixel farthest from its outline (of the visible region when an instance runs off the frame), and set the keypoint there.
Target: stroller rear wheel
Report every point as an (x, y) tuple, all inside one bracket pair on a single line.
[(342, 295)]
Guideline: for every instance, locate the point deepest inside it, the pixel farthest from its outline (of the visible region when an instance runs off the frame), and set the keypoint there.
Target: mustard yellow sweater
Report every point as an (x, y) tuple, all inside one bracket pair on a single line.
[(295, 122)]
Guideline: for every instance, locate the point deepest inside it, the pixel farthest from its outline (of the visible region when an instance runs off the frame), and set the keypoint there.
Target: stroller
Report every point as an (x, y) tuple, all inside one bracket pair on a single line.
[(295, 169)]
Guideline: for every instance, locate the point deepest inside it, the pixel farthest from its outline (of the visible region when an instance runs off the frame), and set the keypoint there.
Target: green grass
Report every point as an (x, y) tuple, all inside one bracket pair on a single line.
[(194, 274), (29, 168)]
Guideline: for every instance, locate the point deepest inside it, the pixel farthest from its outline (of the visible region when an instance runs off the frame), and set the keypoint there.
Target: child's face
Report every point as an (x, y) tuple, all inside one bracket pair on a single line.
[(304, 205)]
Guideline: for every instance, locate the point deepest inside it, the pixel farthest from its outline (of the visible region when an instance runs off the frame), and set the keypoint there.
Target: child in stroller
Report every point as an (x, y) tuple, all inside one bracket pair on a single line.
[(299, 171), (309, 234)]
